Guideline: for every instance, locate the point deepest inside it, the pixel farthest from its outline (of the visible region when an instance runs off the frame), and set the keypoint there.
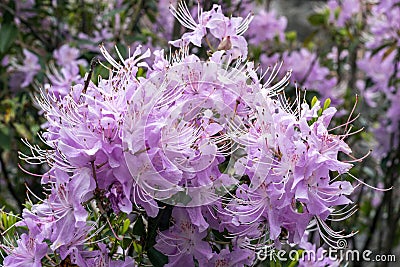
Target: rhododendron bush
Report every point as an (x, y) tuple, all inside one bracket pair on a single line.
[(197, 134)]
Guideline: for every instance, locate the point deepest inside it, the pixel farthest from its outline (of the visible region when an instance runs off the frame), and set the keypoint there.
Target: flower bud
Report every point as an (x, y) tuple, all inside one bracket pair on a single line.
[(225, 44)]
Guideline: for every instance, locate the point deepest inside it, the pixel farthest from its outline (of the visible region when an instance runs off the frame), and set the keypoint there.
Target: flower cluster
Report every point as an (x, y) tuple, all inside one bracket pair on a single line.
[(271, 42), (227, 30), (308, 71), (380, 64), (62, 72), (217, 141)]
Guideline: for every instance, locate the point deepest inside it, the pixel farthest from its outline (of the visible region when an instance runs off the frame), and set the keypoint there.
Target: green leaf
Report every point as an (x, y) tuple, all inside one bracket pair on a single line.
[(125, 243), (8, 33), (308, 41), (275, 263), (157, 258), (113, 12), (343, 32), (123, 50), (314, 101), (296, 260), (82, 70), (291, 36), (138, 248), (8, 16), (317, 19), (327, 103), (140, 72), (4, 137), (4, 219), (22, 130), (138, 228), (125, 226)]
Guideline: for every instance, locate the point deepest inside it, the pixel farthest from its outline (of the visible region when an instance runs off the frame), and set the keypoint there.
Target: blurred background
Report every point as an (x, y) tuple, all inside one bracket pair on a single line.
[(344, 50)]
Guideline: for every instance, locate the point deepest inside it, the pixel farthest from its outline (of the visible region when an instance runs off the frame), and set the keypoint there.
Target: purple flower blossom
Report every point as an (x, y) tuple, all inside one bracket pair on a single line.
[(182, 14), (227, 30), (265, 26), (28, 252), (24, 10), (103, 259), (237, 257), (61, 80), (183, 241), (67, 57), (308, 72), (384, 24), (380, 69), (29, 68), (346, 9)]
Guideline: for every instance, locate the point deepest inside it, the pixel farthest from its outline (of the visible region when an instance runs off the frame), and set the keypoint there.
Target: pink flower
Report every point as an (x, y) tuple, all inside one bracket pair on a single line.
[(29, 68)]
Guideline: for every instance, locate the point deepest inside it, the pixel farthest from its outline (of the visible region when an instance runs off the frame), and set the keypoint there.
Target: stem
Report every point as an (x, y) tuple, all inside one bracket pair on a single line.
[(374, 223), (136, 13), (93, 64), (268, 5), (84, 17)]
